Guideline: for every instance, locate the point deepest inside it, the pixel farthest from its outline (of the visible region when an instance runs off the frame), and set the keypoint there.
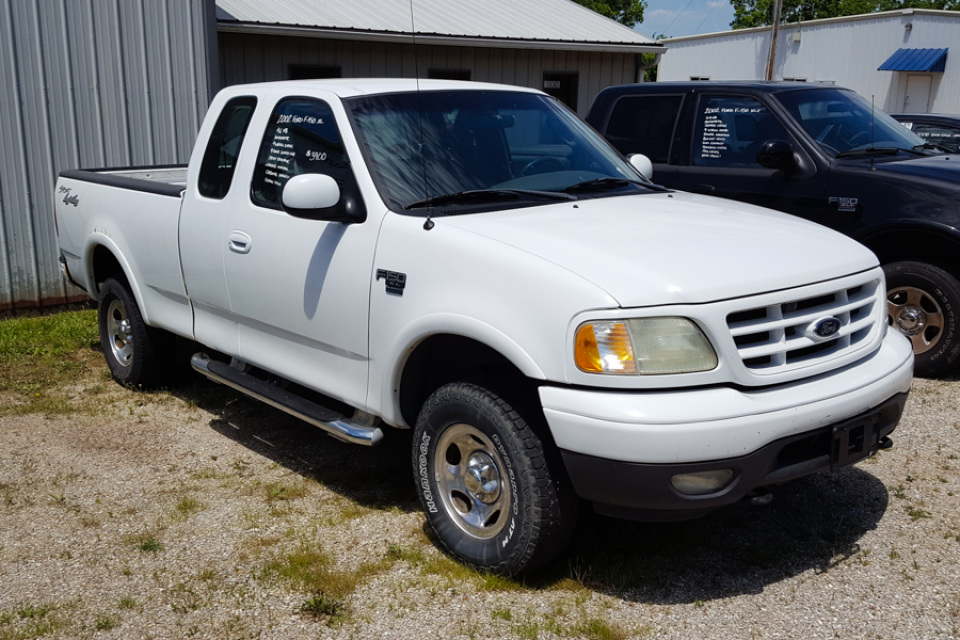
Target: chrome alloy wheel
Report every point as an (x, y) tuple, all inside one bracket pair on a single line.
[(916, 315), (120, 331), (470, 476)]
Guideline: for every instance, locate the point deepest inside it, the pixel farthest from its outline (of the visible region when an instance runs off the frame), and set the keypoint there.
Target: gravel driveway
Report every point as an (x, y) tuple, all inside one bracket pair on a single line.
[(196, 513)]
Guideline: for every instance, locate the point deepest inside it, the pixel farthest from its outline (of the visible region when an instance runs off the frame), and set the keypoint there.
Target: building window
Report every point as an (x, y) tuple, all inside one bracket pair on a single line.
[(794, 79), (448, 74), (562, 85), (699, 78), (313, 72)]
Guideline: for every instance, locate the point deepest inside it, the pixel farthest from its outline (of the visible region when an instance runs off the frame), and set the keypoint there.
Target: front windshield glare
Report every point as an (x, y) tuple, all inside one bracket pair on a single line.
[(843, 121), (423, 146)]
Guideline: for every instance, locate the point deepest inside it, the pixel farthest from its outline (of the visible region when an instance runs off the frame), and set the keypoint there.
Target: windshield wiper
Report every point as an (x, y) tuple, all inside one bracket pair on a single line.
[(875, 151), (600, 184), (929, 146), (478, 196), (608, 184)]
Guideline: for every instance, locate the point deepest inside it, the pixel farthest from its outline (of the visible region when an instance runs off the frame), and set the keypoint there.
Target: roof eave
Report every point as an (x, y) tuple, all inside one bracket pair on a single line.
[(435, 39)]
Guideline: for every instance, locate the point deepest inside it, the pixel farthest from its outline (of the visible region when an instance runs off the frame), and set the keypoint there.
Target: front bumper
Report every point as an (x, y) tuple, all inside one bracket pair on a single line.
[(645, 491), (621, 449)]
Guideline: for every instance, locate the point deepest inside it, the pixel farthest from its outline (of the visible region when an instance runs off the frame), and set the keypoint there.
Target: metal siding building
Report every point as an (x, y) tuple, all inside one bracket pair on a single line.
[(89, 83), (491, 40), (249, 57), (845, 51)]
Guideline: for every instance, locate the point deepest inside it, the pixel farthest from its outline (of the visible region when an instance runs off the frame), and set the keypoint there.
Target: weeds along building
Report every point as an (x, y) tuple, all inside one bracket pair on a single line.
[(104, 83)]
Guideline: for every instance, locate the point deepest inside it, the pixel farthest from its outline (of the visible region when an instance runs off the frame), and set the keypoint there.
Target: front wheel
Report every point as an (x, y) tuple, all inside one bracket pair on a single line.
[(137, 355), (485, 482), (922, 303)]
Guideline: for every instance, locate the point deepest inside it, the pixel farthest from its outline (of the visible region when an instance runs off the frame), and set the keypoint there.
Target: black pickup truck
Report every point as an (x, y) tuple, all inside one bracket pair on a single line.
[(823, 153)]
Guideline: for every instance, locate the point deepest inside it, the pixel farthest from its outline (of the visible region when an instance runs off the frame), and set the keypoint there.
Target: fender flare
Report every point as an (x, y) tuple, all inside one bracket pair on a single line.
[(408, 338)]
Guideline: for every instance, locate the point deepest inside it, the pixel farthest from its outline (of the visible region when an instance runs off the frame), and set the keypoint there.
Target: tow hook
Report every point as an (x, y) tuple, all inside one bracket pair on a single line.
[(761, 499), (885, 443)]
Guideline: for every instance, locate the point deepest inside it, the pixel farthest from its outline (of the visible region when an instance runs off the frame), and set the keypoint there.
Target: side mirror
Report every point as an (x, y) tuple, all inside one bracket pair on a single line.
[(316, 196), (642, 164), (776, 154), (307, 195)]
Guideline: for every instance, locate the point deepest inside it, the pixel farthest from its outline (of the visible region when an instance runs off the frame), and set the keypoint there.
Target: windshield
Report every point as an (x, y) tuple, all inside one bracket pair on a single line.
[(476, 148), (843, 123)]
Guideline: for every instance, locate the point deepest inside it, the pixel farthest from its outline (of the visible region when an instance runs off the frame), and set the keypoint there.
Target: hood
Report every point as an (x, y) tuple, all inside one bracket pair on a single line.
[(945, 167), (674, 248)]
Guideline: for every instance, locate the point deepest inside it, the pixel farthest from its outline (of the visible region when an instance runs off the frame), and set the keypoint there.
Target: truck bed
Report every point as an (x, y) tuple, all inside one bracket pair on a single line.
[(167, 180)]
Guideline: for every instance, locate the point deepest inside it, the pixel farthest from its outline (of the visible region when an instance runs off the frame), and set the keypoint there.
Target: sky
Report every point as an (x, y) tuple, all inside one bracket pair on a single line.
[(685, 17)]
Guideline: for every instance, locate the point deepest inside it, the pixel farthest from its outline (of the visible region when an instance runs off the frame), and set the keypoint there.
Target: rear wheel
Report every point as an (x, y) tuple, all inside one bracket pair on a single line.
[(136, 354), (486, 484), (922, 303)]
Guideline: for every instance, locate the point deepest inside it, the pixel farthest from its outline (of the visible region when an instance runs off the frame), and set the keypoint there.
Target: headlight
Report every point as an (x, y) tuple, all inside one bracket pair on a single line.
[(643, 346)]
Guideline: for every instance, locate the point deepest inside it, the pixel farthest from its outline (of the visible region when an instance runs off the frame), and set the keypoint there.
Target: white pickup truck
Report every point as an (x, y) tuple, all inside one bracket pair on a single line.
[(475, 263)]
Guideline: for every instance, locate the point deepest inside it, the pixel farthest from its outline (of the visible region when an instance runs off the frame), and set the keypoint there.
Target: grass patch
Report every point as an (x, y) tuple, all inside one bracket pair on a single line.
[(146, 542), (331, 609), (106, 623), (916, 513), (41, 355), (32, 621), (597, 629), (186, 508), (503, 613), (309, 568), (279, 491)]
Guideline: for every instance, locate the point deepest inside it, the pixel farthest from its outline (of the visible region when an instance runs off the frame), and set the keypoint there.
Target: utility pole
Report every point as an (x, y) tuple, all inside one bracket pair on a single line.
[(774, 34)]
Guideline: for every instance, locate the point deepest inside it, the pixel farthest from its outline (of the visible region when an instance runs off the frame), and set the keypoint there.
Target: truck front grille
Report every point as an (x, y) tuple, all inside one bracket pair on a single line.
[(781, 337)]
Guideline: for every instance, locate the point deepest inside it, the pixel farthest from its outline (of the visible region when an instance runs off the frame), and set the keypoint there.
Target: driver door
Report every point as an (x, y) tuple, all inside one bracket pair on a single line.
[(299, 288), (728, 132)]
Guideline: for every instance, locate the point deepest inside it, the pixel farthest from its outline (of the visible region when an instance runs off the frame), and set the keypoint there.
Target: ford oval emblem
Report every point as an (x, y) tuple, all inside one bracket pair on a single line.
[(824, 328)]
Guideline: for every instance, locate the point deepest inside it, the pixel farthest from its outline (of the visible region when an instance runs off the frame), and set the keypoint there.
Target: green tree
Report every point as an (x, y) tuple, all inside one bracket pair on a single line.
[(759, 13), (626, 12)]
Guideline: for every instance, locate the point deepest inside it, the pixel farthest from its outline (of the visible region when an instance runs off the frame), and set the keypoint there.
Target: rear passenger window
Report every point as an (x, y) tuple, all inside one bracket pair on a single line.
[(220, 156), (301, 137), (644, 124)]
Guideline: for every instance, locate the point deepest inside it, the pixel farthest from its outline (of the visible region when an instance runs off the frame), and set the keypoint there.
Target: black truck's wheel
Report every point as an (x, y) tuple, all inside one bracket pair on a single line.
[(922, 303), (485, 484), (137, 355)]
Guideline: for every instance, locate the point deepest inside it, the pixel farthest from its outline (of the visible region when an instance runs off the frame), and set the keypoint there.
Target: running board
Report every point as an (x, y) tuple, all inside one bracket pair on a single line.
[(348, 430)]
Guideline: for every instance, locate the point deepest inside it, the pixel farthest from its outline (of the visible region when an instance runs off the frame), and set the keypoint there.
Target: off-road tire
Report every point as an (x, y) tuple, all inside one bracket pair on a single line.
[(137, 355), (923, 303), (487, 482)]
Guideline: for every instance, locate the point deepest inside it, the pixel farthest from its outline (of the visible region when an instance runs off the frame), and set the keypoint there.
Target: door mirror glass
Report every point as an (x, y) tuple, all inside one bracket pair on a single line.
[(776, 154)]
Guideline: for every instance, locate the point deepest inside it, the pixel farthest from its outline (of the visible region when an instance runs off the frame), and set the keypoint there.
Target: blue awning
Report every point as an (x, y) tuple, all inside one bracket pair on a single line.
[(916, 60)]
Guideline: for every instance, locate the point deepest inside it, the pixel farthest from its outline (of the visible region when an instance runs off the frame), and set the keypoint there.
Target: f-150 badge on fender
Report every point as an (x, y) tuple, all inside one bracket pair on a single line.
[(844, 203), (396, 281)]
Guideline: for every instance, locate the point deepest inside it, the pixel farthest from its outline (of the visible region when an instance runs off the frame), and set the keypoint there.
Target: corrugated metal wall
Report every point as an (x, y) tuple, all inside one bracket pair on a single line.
[(84, 84), (248, 57), (844, 51)]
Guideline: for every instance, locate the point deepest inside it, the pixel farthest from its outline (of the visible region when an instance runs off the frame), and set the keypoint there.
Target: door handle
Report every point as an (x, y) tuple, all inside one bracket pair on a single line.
[(239, 242)]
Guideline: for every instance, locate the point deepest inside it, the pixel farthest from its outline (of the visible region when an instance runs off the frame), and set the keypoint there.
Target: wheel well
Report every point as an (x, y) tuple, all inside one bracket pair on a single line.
[(105, 265), (448, 358), (917, 245)]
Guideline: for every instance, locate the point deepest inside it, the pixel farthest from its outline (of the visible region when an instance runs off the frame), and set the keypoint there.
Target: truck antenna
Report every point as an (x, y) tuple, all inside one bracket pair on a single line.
[(428, 223)]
